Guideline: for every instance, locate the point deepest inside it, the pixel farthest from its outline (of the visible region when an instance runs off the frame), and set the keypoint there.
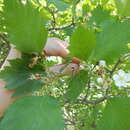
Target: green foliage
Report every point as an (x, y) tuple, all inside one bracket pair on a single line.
[(37, 113), (25, 25), (116, 115), (112, 40), (96, 30), (76, 85), (85, 9), (127, 65), (99, 15), (18, 77), (82, 40), (1, 19), (60, 4), (123, 7)]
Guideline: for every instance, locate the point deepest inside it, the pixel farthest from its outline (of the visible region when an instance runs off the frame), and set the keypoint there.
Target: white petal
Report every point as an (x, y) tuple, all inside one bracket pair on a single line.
[(102, 63), (121, 73), (120, 83), (100, 80), (125, 85), (115, 77)]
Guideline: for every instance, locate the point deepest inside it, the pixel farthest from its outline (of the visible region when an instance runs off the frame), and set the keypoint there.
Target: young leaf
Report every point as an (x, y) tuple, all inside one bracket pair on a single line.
[(83, 42), (33, 113), (123, 7), (24, 25), (116, 115), (76, 85), (112, 41), (18, 77)]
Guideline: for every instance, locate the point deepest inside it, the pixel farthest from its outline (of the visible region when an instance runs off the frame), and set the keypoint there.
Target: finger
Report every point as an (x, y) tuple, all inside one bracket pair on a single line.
[(65, 69), (56, 47), (76, 60)]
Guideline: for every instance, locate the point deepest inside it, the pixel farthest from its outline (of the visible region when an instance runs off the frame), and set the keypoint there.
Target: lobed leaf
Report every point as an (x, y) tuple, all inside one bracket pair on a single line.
[(116, 115), (82, 43), (18, 77), (76, 85), (99, 14), (25, 25), (112, 41), (33, 113)]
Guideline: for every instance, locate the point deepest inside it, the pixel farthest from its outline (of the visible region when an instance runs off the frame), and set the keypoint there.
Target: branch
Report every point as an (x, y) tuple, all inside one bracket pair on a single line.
[(53, 16), (62, 28), (89, 83), (54, 21), (120, 60), (115, 66), (70, 122), (4, 36), (93, 102)]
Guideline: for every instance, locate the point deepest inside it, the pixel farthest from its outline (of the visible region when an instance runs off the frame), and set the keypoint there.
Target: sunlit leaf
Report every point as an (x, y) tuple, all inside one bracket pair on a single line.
[(60, 4), (123, 7), (112, 41), (82, 43), (25, 25)]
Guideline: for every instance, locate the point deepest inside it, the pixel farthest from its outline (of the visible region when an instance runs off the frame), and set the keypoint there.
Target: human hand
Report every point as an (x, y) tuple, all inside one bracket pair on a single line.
[(57, 47), (53, 47)]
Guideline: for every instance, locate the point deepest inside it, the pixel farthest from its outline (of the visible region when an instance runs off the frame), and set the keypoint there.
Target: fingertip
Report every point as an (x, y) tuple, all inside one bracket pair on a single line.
[(76, 60)]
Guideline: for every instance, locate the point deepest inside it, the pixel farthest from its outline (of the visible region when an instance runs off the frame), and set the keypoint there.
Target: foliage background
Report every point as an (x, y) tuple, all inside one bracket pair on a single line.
[(86, 103)]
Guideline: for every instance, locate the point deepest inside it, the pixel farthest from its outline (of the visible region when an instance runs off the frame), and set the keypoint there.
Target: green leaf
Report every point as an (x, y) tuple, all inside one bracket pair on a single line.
[(127, 65), (1, 17), (85, 9), (99, 14), (112, 41), (33, 113), (69, 31), (18, 77), (116, 115), (123, 7), (60, 4), (25, 25), (76, 85), (82, 43), (104, 2)]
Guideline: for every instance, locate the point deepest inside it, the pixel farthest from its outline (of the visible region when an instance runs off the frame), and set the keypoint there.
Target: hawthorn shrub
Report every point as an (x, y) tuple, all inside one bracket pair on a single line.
[(98, 33)]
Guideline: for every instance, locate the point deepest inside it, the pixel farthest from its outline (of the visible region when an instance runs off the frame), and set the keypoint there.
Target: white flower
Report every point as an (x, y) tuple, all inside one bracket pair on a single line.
[(102, 63), (121, 79), (100, 80)]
